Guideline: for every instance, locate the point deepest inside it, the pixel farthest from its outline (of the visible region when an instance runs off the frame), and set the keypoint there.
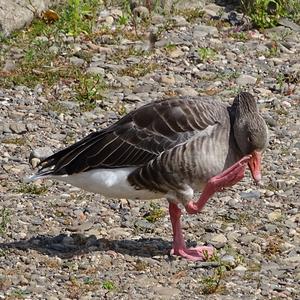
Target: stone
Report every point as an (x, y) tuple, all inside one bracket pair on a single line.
[(187, 91), (41, 153), (9, 66), (53, 49), (240, 269), (275, 215), (109, 20), (179, 21), (18, 128), (167, 79), (95, 70), (218, 240), (76, 61), (176, 53), (142, 12), (250, 195), (167, 292), (246, 80), (201, 31)]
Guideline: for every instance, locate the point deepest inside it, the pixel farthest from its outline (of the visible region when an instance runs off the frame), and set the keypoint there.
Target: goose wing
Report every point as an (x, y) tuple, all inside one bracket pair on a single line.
[(138, 137)]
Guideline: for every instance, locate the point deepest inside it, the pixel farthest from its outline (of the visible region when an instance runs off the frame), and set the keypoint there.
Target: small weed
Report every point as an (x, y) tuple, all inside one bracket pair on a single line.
[(273, 50), (90, 281), (170, 47), (212, 283), (240, 36), (267, 13), (79, 17), (191, 14), (273, 246), (4, 219), (20, 141), (254, 267), (89, 90), (206, 54), (155, 213), (123, 20), (31, 189), (55, 106), (3, 252), (19, 294), (280, 80), (122, 54), (141, 265), (139, 69), (108, 285)]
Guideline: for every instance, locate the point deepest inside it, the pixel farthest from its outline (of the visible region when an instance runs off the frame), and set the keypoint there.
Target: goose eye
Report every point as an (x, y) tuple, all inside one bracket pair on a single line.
[(249, 139)]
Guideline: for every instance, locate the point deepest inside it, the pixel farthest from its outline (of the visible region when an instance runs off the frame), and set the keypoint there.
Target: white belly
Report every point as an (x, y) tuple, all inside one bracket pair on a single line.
[(109, 183)]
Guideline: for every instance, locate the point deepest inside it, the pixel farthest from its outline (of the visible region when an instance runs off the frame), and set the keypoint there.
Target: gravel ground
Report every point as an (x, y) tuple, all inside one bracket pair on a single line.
[(59, 242)]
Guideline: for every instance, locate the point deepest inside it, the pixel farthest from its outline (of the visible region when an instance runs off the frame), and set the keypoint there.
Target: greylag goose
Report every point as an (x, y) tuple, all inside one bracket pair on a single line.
[(170, 148)]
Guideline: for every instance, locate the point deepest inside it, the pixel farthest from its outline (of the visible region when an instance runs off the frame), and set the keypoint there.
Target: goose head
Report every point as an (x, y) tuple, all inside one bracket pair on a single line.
[(250, 131)]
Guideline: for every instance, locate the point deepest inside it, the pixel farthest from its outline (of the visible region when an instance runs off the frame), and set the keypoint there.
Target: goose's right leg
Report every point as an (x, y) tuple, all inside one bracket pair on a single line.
[(179, 246)]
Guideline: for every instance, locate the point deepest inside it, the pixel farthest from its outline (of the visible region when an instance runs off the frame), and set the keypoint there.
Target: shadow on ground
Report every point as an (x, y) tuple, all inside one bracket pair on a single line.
[(66, 246)]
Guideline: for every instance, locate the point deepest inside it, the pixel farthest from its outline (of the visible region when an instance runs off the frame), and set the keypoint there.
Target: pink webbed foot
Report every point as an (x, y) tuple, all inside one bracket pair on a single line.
[(198, 253)]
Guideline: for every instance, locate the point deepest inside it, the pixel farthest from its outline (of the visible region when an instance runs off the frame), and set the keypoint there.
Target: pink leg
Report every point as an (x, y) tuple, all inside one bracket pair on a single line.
[(179, 247), (227, 178)]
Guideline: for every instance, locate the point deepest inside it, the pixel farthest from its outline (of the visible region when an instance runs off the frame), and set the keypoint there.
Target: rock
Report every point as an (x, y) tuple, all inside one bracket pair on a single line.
[(250, 195), (167, 292), (292, 259), (95, 71), (187, 91), (167, 79), (142, 12), (76, 61), (246, 80), (41, 153), (212, 10), (201, 31), (109, 20), (176, 53), (18, 128), (240, 269), (53, 49), (9, 66), (275, 215), (218, 240), (179, 21), (34, 162)]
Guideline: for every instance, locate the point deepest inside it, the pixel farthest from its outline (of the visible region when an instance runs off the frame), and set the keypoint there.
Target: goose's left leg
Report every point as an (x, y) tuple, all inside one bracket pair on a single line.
[(179, 246), (227, 178)]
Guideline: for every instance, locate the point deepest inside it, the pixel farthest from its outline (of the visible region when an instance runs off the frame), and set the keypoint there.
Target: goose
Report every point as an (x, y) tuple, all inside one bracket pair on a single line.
[(169, 149)]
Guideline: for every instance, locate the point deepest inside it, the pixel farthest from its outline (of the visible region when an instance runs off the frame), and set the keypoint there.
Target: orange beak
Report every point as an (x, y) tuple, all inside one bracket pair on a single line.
[(255, 165)]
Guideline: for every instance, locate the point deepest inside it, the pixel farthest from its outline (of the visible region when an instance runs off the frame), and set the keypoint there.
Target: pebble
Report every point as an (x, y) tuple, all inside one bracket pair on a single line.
[(76, 61), (218, 240), (41, 152), (167, 292), (246, 80), (142, 12), (18, 128), (95, 71), (9, 66), (201, 31), (275, 215), (167, 79)]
